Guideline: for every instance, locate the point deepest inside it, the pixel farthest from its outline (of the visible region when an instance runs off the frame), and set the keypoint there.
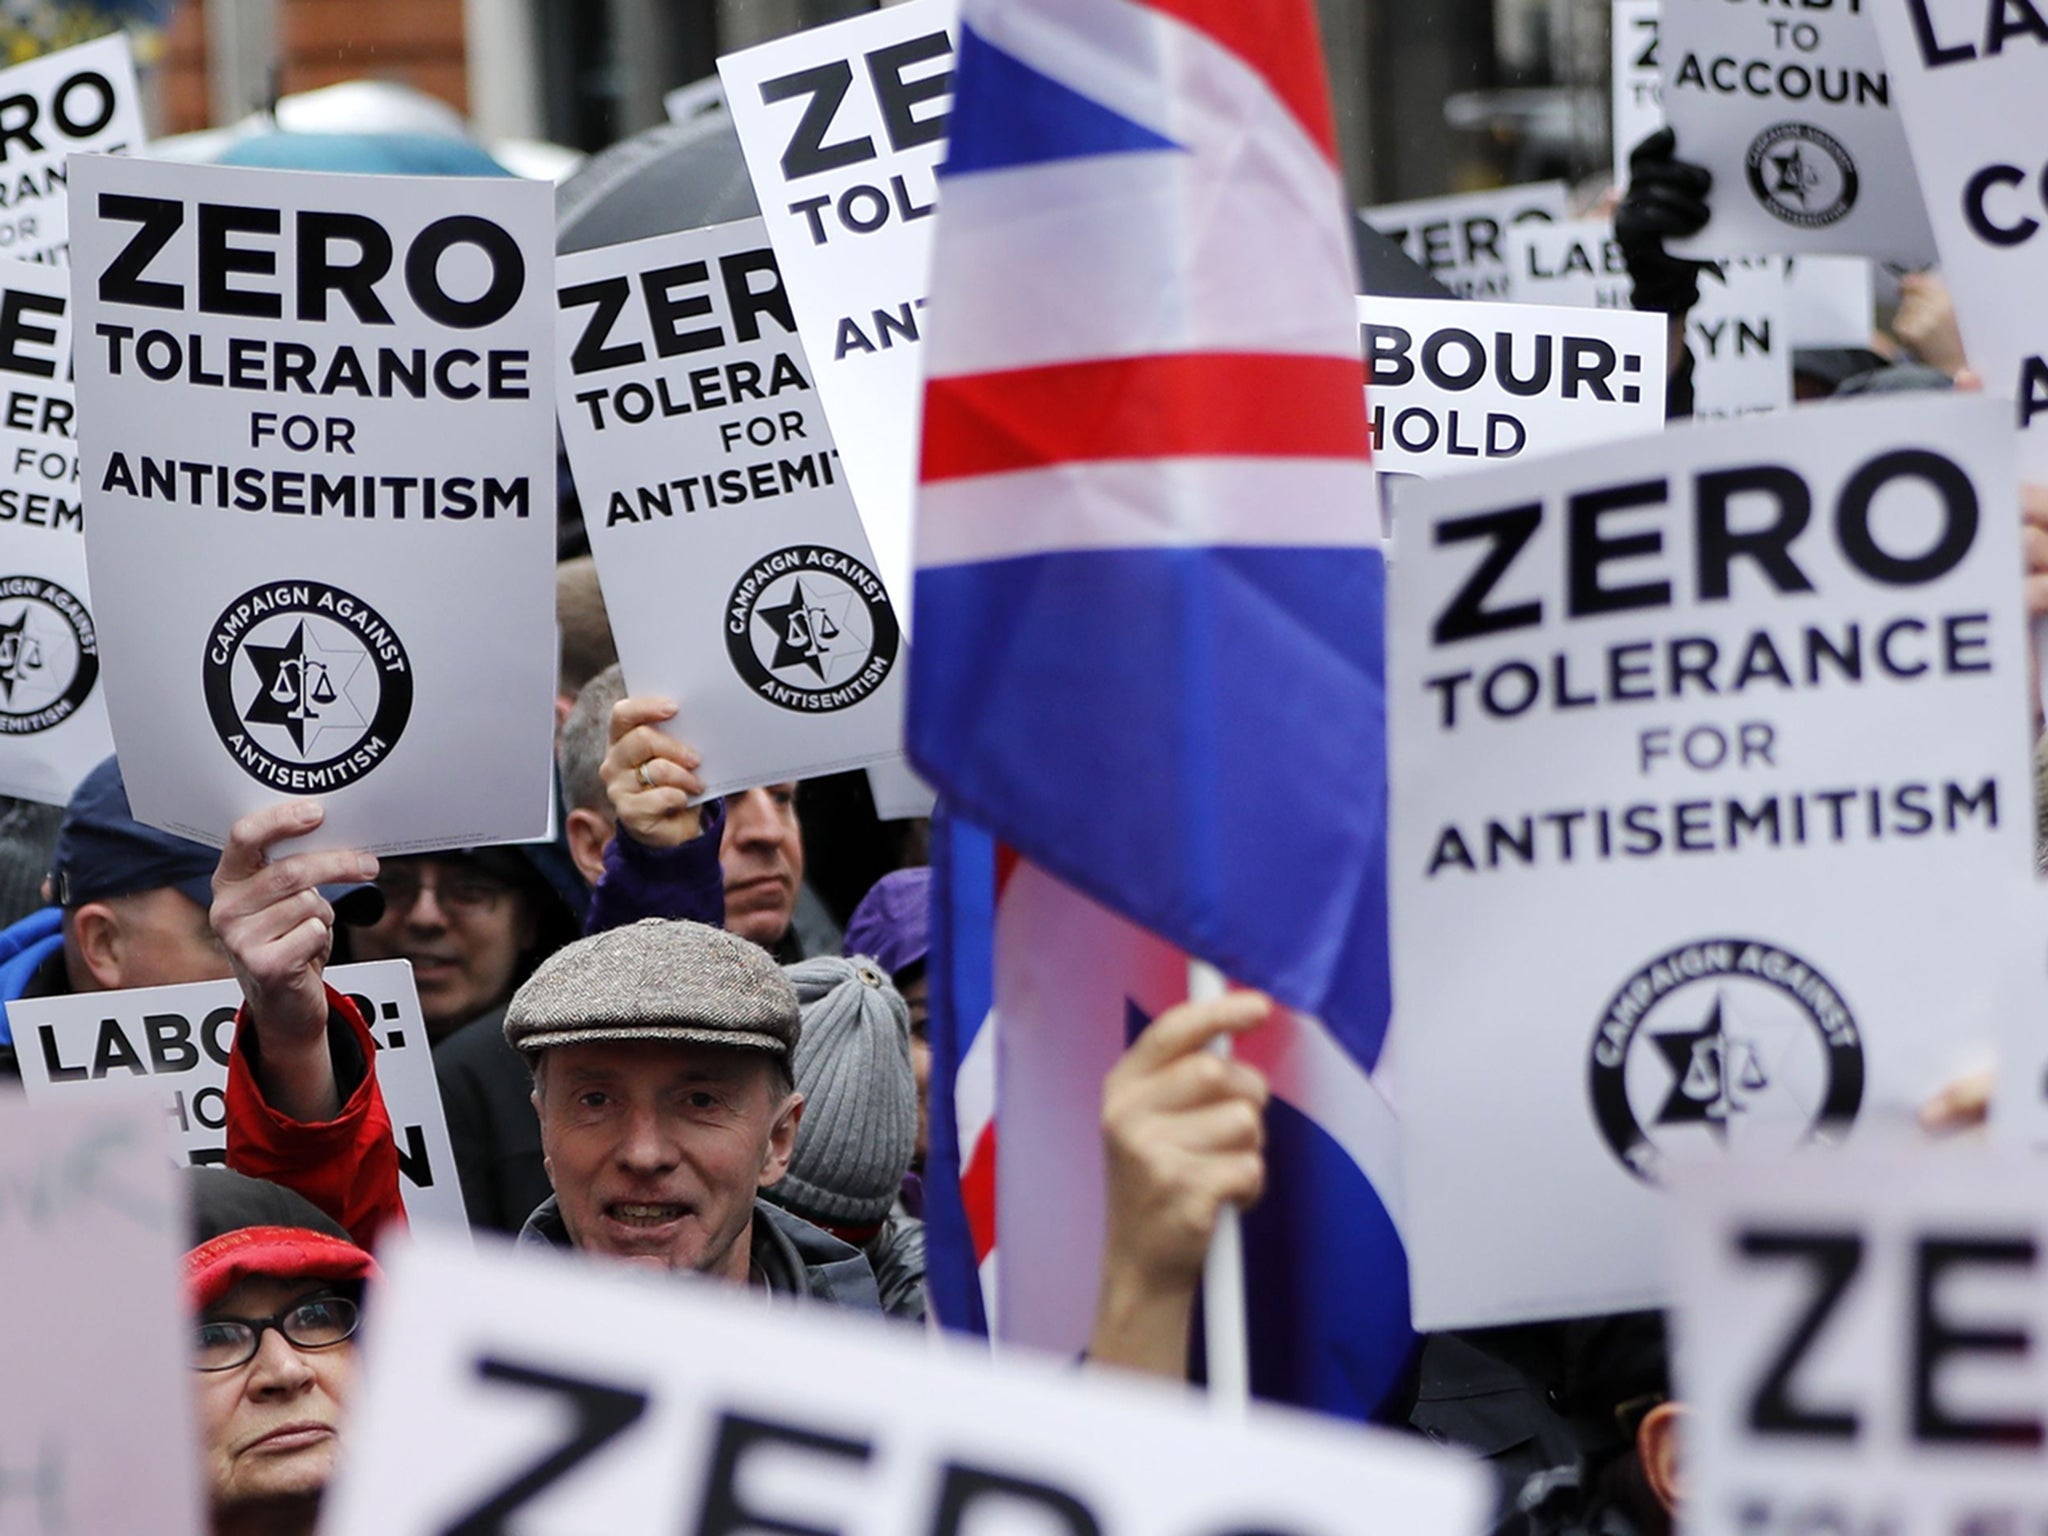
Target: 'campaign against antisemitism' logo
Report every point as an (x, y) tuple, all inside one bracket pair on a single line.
[(1721, 1042), (49, 655), (309, 688), (811, 629), (1802, 175)]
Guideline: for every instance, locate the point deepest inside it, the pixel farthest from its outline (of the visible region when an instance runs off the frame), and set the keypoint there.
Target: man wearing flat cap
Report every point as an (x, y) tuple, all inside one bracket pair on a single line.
[(661, 1073), (661, 1062)]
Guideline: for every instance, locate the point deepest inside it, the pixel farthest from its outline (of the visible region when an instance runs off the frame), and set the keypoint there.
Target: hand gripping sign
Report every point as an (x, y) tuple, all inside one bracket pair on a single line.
[(1793, 113), (1863, 1343), (843, 128), (100, 1045), (53, 713), (1969, 78), (538, 1392), (319, 483), (1714, 746), (92, 1227), (736, 574)]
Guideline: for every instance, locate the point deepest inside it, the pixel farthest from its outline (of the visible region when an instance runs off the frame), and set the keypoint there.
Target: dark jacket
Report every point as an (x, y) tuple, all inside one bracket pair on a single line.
[(897, 1256), (791, 1258), (487, 1095)]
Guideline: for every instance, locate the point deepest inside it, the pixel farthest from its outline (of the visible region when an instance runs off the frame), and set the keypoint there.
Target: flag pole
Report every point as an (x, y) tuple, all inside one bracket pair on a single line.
[(1223, 1305)]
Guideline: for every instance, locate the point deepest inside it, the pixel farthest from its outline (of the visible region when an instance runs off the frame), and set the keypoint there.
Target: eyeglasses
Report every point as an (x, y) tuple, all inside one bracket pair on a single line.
[(468, 895), (321, 1322)]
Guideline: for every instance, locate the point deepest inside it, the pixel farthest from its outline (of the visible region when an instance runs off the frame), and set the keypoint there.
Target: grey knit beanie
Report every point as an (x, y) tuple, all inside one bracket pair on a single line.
[(852, 1065)]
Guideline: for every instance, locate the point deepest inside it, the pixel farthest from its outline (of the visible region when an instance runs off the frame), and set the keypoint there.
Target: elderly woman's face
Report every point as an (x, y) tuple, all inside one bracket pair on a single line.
[(268, 1427)]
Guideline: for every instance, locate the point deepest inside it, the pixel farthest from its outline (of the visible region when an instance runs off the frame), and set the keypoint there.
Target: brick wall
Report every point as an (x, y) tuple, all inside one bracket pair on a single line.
[(321, 42)]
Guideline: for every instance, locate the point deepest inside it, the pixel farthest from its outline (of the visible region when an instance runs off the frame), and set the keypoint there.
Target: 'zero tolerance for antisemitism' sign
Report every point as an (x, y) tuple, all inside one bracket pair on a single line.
[(1861, 1343), (82, 100), (317, 451), (736, 574), (53, 714), (530, 1391), (844, 127), (1763, 691), (99, 1045)]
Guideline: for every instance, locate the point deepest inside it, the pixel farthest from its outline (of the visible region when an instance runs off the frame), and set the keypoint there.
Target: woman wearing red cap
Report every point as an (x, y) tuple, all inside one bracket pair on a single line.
[(275, 1288)]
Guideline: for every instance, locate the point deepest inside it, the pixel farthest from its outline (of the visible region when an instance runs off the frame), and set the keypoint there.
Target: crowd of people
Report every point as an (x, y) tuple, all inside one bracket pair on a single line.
[(656, 1044)]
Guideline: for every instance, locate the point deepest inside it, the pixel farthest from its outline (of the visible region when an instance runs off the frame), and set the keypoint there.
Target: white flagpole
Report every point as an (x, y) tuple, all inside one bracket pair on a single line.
[(1223, 1306)]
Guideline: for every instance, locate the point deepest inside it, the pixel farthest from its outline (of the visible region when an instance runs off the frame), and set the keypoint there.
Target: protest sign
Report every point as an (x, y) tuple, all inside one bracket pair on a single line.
[(53, 714), (1737, 333), (736, 574), (96, 1424), (843, 127), (899, 794), (82, 100), (1793, 115), (1747, 701), (538, 1391), (95, 1045), (1455, 385), (1861, 1343), (1969, 79), (1831, 301), (317, 452), (1461, 241), (1638, 86)]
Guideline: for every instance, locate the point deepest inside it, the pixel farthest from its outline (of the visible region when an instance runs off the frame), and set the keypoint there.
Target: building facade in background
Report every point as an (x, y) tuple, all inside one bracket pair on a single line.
[(1431, 96)]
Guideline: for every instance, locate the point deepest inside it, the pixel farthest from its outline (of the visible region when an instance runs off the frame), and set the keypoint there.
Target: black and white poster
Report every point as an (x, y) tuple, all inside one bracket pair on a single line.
[(1712, 823), (1791, 110), (553, 1391), (79, 101), (53, 712), (1861, 1343), (97, 1046), (736, 574), (1462, 240), (319, 483)]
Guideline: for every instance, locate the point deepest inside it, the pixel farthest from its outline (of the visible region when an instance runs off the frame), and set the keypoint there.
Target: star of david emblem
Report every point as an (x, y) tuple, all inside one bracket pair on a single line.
[(20, 654), (1711, 1072), (1794, 179), (804, 631), (301, 686)]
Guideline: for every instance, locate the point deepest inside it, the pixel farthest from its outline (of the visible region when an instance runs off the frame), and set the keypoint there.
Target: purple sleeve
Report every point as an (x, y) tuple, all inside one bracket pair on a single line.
[(640, 881)]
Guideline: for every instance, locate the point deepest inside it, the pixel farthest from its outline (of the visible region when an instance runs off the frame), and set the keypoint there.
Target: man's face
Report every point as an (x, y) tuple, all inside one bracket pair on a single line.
[(462, 928), (762, 856), (656, 1148), (917, 997), (267, 1429), (157, 938)]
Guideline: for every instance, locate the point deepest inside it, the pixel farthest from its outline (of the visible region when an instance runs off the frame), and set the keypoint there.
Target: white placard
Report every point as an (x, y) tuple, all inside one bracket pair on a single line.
[(537, 1392), (1638, 87), (1740, 337), (82, 100), (1861, 1343), (899, 794), (1715, 747), (1791, 111), (53, 713), (1456, 386), (96, 1045), (736, 574), (1461, 241), (1969, 80), (317, 444), (844, 127), (1742, 361), (92, 1228), (1831, 301)]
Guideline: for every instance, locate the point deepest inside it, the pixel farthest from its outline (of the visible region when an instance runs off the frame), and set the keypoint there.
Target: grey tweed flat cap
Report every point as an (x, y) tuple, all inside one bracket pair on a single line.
[(656, 980)]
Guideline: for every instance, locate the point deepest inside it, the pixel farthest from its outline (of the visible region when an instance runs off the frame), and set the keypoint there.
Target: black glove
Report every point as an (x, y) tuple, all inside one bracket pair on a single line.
[(1667, 198)]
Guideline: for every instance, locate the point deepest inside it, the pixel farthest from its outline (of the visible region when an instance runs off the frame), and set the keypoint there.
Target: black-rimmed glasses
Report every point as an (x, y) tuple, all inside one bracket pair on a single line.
[(320, 1322)]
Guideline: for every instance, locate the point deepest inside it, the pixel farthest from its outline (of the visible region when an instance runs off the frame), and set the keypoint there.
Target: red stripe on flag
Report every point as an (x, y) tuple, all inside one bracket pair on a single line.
[(1277, 40), (978, 1194), (1180, 405)]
